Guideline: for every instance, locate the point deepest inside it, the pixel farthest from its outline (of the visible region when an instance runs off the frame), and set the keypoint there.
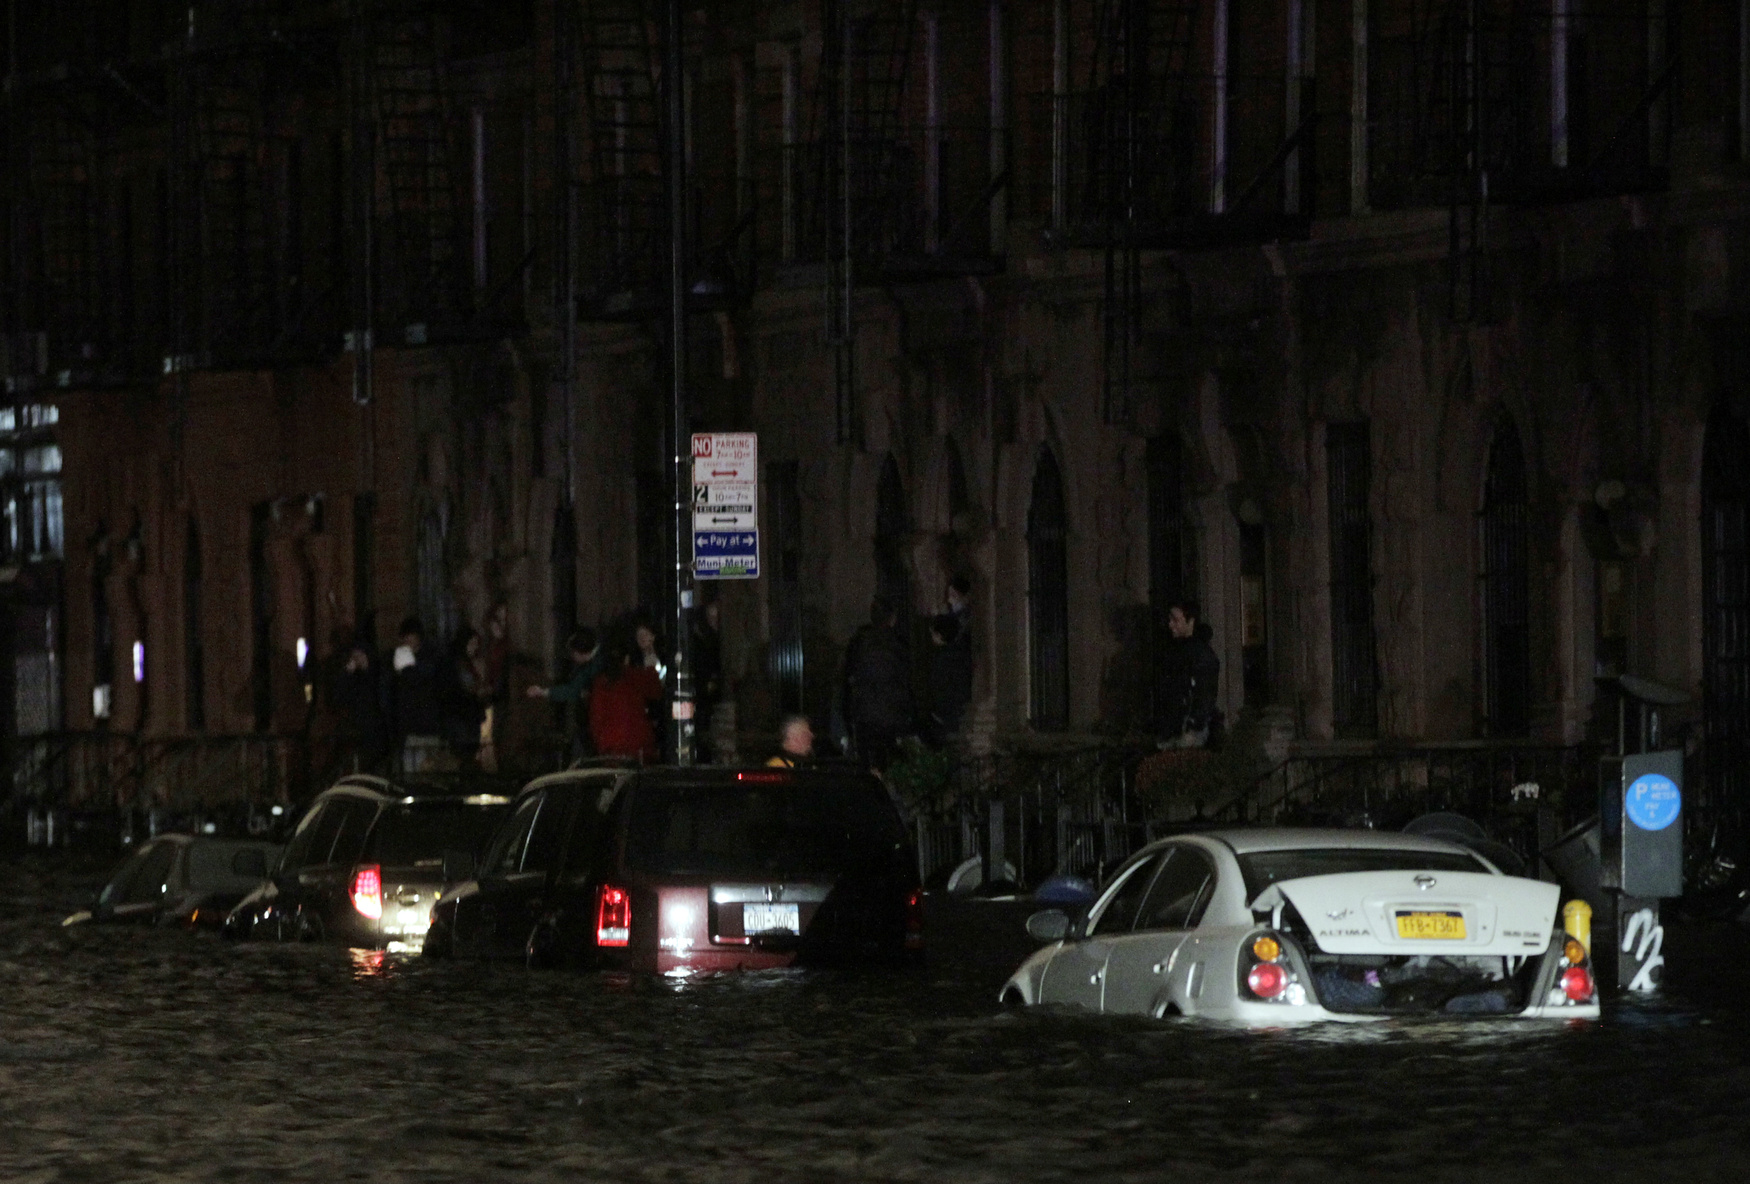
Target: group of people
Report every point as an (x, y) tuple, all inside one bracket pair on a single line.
[(426, 705), (879, 707)]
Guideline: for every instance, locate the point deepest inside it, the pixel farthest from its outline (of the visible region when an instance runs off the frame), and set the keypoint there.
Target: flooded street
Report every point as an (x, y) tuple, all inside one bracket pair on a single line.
[(142, 1055)]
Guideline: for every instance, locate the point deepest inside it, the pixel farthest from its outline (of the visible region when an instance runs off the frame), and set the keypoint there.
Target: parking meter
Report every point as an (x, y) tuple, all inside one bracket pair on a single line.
[(1641, 829)]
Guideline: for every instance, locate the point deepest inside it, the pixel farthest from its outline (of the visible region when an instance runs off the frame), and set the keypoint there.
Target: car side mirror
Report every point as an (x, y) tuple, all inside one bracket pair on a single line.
[(458, 865), (249, 864), (1048, 925)]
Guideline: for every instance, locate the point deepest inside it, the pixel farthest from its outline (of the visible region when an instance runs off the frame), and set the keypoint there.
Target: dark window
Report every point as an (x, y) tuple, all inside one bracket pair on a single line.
[(655, 544), (364, 550), (1255, 613), (563, 555), (1120, 912), (1507, 649), (102, 635), (892, 537), (1725, 623), (437, 603), (1169, 554), (1048, 598), (194, 660), (588, 833), (1264, 868), (1348, 475), (762, 829), (784, 505), (143, 878), (261, 618), (356, 816), (1181, 892), (323, 832), (418, 833), (506, 854), (547, 840), (298, 851)]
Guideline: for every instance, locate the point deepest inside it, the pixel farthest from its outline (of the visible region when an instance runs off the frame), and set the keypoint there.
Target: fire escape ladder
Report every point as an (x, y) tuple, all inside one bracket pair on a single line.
[(626, 195), (231, 250), (417, 205), (1468, 120), (1144, 147), (62, 303), (864, 170)]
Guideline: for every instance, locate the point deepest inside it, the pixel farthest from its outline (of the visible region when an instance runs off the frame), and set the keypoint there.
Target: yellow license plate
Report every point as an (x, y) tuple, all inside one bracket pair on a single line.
[(1434, 926)]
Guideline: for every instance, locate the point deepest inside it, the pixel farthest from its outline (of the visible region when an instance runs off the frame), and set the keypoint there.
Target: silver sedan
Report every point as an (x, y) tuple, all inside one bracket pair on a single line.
[(1282, 926)]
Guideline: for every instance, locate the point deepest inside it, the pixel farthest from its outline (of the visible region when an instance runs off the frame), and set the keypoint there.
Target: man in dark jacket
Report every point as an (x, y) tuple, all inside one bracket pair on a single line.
[(877, 687), (1193, 676), (414, 704), (951, 661)]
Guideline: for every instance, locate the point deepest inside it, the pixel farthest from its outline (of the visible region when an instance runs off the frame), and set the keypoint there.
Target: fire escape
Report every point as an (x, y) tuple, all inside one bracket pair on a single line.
[(1498, 104), (69, 295), (624, 191), (402, 109), (1152, 147)]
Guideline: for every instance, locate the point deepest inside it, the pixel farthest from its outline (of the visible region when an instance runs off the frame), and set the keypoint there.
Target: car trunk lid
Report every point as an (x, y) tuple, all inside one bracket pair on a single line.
[(1442, 913)]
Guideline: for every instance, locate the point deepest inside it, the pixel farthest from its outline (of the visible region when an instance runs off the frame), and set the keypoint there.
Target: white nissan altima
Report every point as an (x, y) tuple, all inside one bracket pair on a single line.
[(1280, 926)]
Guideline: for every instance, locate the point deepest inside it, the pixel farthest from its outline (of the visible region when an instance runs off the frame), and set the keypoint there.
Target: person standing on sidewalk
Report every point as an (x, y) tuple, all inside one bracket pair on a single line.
[(877, 691)]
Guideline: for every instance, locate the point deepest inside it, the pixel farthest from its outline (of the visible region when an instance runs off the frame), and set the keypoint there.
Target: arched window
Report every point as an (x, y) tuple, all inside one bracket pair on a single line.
[(1725, 622), (1506, 594), (193, 657), (1048, 598), (892, 531)]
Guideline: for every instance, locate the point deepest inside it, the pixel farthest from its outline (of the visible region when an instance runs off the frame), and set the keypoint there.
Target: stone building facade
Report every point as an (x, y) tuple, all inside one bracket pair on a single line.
[(1435, 403)]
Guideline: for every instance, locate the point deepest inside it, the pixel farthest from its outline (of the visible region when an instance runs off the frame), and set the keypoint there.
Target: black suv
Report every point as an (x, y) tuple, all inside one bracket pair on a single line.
[(678, 871), (365, 864)]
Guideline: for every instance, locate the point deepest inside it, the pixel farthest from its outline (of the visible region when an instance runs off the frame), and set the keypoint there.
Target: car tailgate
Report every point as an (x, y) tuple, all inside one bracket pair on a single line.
[(1410, 912)]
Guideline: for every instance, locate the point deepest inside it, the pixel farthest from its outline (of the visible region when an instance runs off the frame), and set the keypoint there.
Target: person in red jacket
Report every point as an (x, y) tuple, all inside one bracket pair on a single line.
[(619, 721)]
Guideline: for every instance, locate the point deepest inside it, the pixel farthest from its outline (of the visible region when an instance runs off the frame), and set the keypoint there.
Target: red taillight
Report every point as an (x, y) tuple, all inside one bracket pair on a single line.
[(367, 891), (914, 920), (1267, 980), (763, 777), (613, 916), (1577, 984)]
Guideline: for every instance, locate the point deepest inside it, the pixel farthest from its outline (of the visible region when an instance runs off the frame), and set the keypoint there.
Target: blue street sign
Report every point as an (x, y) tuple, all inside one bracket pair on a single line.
[(727, 553), (1653, 801)]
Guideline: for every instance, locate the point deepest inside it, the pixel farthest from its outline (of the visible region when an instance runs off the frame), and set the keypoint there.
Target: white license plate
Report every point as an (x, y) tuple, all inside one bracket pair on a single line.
[(765, 918)]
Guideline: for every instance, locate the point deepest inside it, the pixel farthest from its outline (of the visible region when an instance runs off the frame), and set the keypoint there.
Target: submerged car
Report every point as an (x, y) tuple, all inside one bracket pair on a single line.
[(1283, 926), (678, 871), (366, 863), (186, 880)]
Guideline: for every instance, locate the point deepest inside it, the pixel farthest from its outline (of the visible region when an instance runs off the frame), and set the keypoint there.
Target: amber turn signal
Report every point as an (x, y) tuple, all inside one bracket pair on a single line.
[(1266, 948), (1574, 952)]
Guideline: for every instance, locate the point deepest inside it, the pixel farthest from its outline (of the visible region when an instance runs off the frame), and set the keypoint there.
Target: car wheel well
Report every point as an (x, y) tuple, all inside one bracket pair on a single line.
[(1013, 999)]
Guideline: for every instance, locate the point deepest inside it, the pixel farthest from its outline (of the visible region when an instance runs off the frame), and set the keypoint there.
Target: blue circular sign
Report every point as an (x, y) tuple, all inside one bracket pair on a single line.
[(1653, 801)]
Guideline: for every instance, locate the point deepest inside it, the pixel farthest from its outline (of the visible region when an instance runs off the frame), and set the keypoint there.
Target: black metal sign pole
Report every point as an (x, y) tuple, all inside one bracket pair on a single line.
[(681, 438)]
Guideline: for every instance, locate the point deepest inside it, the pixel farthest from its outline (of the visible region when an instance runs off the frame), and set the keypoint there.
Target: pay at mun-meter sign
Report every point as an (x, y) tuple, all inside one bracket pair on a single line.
[(726, 530)]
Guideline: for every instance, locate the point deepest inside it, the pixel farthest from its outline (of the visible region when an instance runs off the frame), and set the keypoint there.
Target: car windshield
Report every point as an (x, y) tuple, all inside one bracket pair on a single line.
[(1264, 868), (762, 829), (418, 833)]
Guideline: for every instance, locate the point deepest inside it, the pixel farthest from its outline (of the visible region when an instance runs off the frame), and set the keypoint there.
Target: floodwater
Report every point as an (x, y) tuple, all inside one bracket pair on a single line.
[(138, 1055)]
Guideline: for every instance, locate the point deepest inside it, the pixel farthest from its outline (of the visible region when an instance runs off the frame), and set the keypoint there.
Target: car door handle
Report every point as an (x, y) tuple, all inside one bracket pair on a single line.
[(1158, 967)]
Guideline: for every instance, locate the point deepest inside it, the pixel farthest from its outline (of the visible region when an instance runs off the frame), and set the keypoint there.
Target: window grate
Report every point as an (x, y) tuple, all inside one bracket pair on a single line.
[(1354, 677), (1048, 599), (1506, 589)]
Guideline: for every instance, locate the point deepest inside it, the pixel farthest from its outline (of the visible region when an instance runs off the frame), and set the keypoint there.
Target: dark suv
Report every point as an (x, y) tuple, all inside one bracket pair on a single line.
[(684, 870), (365, 864)]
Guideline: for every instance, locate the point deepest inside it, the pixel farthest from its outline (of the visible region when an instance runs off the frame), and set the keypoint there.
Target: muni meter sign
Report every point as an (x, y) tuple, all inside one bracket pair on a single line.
[(726, 525)]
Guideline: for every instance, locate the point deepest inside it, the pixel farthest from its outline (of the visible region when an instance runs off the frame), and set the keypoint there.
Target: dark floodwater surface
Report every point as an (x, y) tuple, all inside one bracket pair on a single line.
[(128, 1055)]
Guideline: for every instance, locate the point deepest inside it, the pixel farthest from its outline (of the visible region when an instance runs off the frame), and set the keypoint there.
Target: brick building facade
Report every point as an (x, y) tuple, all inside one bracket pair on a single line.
[(1407, 335)]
